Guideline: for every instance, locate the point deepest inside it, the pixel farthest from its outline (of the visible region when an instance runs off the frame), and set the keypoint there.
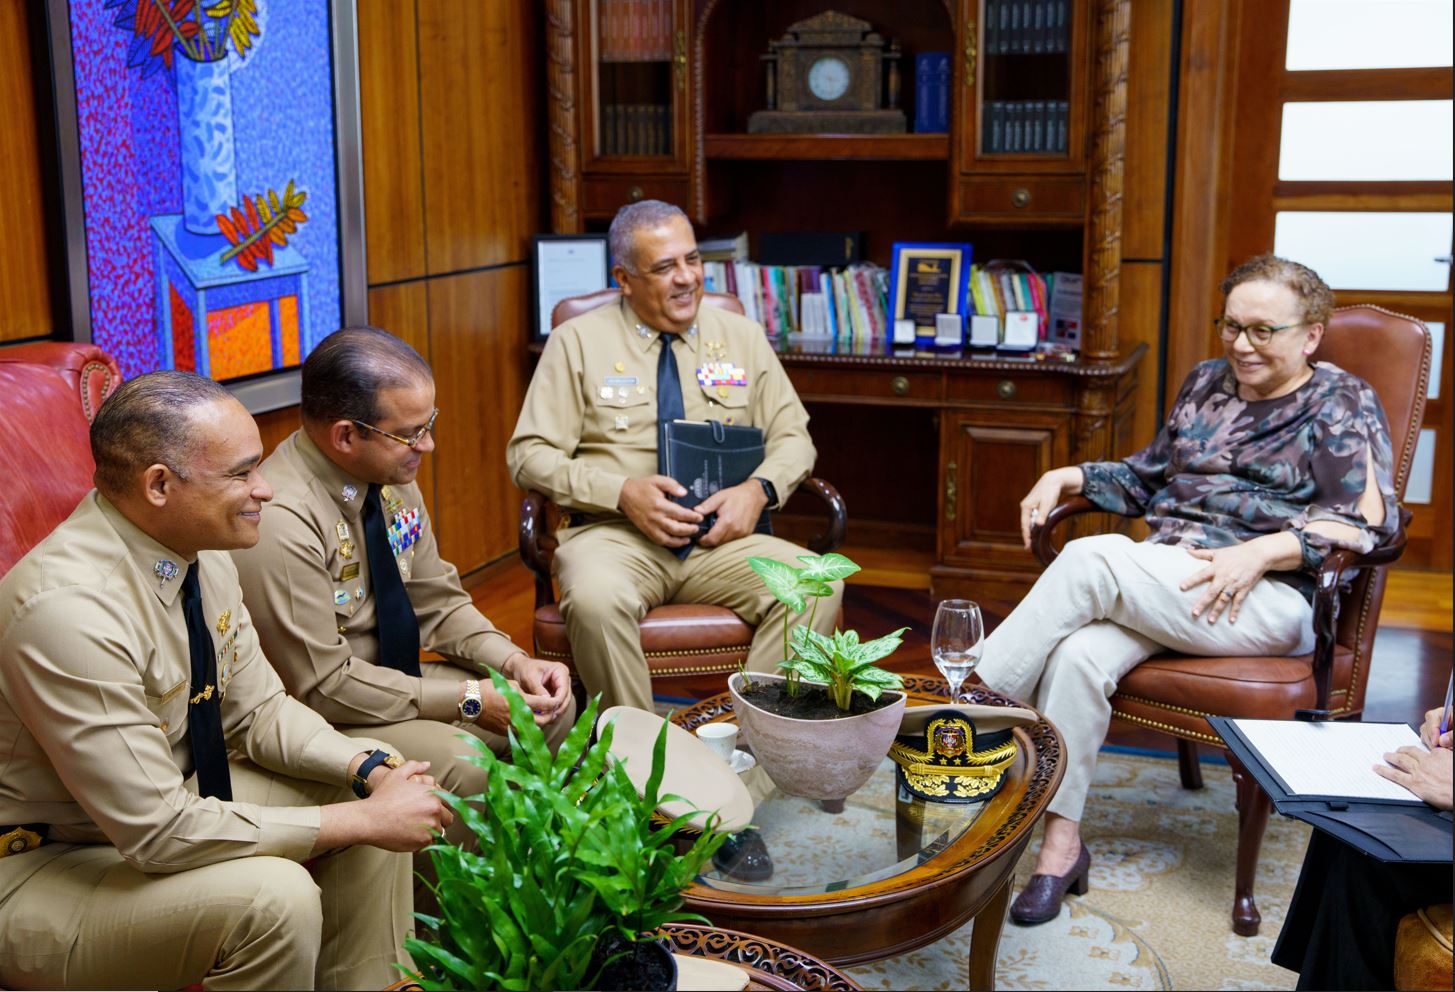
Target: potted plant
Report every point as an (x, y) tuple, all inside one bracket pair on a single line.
[(820, 729), (571, 880)]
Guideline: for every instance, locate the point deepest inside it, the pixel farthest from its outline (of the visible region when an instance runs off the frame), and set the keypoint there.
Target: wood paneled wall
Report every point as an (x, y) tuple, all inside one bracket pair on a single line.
[(453, 145)]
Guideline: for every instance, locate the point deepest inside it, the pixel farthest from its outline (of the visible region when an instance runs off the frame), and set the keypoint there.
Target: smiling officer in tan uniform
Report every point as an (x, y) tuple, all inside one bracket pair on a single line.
[(344, 642), (127, 663), (587, 438)]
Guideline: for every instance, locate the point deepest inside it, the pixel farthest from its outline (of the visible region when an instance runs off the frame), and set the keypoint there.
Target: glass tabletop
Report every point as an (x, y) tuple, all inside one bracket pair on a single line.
[(876, 836)]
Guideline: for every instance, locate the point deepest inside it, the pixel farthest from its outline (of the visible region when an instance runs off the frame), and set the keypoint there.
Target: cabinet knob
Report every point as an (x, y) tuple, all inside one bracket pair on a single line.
[(900, 385), (634, 194), (1005, 389), (1021, 197)]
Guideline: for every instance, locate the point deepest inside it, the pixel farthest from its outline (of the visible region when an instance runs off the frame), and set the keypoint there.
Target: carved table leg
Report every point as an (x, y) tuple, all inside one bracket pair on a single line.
[(1187, 764), (1253, 809), (985, 938)]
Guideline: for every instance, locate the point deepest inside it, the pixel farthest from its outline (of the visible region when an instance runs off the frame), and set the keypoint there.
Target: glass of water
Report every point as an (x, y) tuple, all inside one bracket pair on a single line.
[(957, 641)]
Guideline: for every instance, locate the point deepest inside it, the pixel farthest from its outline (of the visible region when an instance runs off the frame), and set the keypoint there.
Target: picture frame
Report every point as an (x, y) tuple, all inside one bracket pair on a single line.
[(211, 184), (562, 266), (927, 279)]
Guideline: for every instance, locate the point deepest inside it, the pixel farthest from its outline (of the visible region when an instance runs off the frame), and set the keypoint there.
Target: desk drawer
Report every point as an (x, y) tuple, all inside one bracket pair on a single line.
[(869, 384), (603, 196), (1011, 389), (1031, 199)]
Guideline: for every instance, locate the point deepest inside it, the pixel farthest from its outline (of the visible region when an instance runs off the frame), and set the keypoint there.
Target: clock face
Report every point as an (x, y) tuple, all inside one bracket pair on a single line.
[(828, 78)]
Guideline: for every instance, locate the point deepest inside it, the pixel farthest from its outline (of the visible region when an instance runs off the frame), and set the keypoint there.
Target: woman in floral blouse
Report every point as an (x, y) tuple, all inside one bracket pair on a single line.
[(1267, 463)]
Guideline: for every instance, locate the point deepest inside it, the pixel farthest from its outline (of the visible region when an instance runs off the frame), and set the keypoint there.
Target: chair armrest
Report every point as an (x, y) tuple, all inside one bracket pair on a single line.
[(832, 536), (1041, 533), (1326, 608), (535, 549)]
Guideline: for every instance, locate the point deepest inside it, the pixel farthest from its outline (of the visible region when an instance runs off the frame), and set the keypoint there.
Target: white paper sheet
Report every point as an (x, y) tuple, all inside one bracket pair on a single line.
[(1331, 758)]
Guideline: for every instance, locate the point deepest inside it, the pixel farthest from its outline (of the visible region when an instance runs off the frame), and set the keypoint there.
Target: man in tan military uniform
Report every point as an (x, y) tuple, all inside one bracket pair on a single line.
[(368, 406), (114, 871), (587, 438)]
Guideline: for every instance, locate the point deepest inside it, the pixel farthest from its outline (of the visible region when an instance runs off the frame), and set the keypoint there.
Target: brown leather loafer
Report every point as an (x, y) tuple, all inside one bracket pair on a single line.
[(1040, 900)]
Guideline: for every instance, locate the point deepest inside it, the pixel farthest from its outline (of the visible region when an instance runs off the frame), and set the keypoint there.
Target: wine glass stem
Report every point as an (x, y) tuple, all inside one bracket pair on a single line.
[(955, 688)]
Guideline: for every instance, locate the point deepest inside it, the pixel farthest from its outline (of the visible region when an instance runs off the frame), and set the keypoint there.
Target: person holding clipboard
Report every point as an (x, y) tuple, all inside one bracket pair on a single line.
[(1340, 929)]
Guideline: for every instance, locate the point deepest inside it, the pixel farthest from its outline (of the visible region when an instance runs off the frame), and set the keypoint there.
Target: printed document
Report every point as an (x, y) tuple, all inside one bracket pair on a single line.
[(1328, 758)]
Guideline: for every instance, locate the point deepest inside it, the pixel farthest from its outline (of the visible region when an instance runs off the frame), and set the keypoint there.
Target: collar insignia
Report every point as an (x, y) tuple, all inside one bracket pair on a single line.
[(165, 569)]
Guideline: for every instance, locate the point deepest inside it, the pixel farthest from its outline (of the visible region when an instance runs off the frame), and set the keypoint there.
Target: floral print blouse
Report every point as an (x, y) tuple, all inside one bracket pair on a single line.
[(1224, 470)]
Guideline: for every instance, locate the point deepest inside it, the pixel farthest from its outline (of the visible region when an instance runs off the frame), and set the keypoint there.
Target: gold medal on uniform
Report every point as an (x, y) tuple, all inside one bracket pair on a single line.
[(223, 621), (620, 366), (345, 545)]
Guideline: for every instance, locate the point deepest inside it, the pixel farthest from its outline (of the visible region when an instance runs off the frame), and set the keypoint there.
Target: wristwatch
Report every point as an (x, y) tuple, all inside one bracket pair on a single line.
[(768, 491), (471, 705), (376, 757)]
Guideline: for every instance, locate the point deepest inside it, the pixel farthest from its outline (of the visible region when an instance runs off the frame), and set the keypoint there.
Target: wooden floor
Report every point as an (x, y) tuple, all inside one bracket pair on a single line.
[(1412, 648)]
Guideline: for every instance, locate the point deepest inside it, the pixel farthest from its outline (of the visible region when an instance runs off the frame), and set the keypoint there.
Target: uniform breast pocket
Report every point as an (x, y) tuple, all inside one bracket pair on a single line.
[(619, 408), (167, 699), (727, 404)]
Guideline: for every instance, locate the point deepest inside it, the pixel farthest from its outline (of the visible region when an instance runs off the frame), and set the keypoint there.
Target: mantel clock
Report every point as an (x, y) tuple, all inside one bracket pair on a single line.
[(831, 73)]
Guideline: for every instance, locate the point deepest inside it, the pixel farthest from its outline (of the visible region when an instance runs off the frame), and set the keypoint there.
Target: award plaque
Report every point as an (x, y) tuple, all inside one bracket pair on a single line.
[(926, 280)]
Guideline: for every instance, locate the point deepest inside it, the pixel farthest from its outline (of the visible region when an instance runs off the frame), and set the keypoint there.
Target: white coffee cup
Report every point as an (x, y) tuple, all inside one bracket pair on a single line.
[(722, 738)]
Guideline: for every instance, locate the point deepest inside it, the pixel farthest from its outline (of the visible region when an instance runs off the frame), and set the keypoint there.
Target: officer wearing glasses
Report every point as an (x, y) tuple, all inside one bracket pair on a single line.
[(1267, 463), (346, 581)]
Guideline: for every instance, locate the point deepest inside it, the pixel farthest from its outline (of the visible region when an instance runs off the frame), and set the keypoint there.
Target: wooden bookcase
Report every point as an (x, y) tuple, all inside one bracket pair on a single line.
[(971, 434)]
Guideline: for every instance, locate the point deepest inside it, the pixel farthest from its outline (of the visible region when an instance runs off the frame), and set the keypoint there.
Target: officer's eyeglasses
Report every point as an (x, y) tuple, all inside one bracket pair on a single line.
[(1258, 334), (412, 439)]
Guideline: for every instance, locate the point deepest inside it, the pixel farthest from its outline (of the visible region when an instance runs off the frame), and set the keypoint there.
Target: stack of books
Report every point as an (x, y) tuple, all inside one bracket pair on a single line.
[(634, 30), (848, 305)]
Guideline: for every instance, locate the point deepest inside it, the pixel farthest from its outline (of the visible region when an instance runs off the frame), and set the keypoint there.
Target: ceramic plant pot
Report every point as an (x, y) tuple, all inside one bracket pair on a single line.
[(817, 759)]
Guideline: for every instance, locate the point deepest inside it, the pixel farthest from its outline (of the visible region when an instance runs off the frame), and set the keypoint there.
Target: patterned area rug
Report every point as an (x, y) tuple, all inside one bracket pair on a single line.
[(1158, 912)]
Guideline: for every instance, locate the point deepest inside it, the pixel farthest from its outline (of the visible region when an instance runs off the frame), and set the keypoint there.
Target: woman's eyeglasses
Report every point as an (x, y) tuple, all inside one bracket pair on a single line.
[(1258, 334)]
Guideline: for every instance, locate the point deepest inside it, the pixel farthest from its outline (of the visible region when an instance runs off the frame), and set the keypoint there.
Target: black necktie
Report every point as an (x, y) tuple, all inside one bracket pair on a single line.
[(204, 714), (669, 398), (398, 626)]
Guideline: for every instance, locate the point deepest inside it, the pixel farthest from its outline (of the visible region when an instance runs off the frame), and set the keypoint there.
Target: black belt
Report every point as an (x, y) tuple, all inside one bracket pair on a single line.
[(22, 838)]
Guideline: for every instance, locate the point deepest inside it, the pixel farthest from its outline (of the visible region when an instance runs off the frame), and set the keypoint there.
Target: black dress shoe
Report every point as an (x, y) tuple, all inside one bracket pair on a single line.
[(1040, 900), (744, 856)]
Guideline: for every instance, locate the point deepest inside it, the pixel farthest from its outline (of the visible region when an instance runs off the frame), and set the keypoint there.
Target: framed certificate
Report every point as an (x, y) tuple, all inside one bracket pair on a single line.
[(927, 279), (566, 265)]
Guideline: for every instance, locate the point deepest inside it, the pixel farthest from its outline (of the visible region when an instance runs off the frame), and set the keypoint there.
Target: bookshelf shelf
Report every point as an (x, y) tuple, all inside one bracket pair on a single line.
[(805, 147)]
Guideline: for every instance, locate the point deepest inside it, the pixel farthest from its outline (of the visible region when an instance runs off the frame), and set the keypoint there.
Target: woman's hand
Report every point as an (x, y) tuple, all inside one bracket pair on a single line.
[(1231, 574), (1037, 504), (1430, 730), (1428, 774)]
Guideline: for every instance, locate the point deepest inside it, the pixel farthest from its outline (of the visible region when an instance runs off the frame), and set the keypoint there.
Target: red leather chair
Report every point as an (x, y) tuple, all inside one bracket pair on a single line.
[(1174, 694), (49, 391), (690, 648)]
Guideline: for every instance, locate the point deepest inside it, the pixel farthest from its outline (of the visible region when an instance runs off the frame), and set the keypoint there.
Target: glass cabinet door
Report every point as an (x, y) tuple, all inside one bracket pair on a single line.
[(1024, 66), (639, 82)]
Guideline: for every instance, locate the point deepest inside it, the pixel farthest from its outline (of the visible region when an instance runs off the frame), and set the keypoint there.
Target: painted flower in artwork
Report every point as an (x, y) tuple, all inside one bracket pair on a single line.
[(201, 32)]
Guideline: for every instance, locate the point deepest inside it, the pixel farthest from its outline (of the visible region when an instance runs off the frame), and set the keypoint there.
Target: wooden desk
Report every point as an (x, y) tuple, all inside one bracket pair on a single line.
[(935, 451)]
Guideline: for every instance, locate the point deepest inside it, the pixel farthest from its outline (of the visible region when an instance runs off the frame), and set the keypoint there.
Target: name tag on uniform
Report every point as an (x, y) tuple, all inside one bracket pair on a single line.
[(620, 380), (722, 374), (350, 572)]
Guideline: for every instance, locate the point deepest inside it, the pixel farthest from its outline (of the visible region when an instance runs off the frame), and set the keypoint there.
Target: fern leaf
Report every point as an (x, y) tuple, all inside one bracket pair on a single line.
[(218, 9), (263, 210), (279, 238), (229, 231), (252, 214), (297, 216), (273, 201)]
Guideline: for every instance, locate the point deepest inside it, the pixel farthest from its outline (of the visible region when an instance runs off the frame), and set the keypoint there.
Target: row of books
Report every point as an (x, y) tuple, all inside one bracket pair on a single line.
[(1027, 27), (634, 30), (998, 289), (932, 93), (636, 129), (848, 305), (1026, 125)]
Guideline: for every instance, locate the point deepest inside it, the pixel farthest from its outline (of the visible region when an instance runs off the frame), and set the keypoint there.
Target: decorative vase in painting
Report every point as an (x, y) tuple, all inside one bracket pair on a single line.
[(205, 142)]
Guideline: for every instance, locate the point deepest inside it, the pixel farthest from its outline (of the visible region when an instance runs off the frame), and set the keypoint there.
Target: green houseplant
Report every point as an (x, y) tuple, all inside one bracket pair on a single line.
[(571, 873), (823, 727)]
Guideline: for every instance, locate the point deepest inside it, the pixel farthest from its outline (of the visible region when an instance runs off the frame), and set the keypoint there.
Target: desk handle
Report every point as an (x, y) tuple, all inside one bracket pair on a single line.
[(900, 385), (951, 470), (1005, 388), (1021, 197), (635, 194)]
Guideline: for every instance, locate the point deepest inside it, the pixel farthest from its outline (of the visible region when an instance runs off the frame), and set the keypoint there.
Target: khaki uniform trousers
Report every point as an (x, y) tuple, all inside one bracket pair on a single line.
[(610, 575), (86, 919), (441, 745), (1103, 607)]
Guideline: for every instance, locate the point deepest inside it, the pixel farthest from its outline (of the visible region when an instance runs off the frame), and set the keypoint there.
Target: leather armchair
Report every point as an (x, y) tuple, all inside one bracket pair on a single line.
[(690, 648), (49, 392), (1174, 694)]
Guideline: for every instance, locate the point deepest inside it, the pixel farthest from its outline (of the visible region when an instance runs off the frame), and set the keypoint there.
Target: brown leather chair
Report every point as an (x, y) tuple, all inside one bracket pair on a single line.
[(49, 392), (1174, 694), (690, 648)]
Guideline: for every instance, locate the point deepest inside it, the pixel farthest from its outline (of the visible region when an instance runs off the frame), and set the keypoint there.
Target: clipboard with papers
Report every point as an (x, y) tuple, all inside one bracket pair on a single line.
[(1321, 773)]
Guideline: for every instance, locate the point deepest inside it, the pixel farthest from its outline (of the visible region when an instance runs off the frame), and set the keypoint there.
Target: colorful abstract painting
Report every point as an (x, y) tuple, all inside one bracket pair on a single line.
[(207, 156)]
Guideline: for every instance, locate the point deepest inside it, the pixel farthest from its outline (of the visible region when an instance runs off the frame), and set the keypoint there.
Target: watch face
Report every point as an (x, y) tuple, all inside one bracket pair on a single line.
[(470, 708), (828, 78)]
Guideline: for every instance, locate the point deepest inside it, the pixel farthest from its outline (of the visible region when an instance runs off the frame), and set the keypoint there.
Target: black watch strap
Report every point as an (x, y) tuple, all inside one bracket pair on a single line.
[(768, 491), (376, 757)]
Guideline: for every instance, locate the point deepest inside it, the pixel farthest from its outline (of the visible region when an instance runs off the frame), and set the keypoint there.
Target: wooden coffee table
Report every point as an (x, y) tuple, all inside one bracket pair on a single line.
[(885, 877)]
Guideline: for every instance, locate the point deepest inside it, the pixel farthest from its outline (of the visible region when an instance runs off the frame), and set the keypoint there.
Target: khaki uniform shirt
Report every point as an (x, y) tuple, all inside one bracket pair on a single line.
[(589, 421), (307, 581), (94, 678)]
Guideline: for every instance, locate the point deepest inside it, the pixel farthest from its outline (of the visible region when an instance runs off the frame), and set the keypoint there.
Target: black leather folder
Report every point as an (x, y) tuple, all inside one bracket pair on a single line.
[(705, 456), (1386, 829)]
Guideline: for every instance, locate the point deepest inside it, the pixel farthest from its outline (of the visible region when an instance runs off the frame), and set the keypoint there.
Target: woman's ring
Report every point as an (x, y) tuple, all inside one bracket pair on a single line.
[(1225, 594), (1035, 512)]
